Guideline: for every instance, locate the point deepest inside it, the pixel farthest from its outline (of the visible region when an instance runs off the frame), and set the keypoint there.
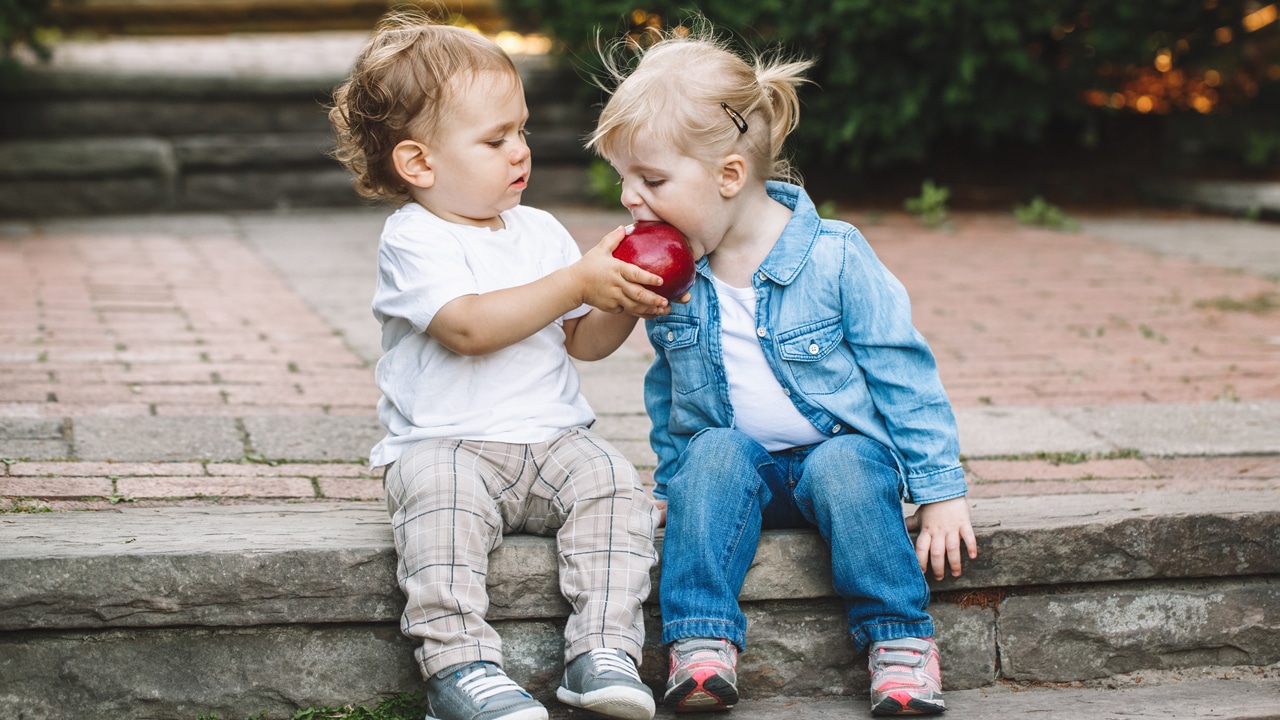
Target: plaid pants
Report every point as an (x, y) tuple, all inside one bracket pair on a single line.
[(451, 502)]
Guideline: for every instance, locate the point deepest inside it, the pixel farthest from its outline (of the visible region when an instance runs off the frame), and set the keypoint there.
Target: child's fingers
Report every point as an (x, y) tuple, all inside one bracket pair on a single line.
[(971, 542), (922, 551), (938, 557), (610, 242), (640, 276), (953, 554)]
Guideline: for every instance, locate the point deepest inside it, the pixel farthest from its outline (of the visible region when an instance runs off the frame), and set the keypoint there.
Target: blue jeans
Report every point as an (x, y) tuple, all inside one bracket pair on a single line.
[(728, 488)]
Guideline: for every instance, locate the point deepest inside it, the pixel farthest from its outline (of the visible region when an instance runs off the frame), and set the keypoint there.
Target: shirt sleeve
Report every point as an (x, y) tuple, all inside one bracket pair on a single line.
[(901, 375), (421, 268)]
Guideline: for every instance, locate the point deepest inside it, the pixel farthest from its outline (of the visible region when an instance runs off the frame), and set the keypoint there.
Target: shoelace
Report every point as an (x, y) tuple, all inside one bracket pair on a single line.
[(609, 661), (696, 651), (480, 686)]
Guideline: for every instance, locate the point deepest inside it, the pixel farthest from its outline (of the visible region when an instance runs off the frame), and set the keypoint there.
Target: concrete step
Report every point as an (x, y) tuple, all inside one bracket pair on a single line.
[(237, 609), (79, 142), (1220, 693)]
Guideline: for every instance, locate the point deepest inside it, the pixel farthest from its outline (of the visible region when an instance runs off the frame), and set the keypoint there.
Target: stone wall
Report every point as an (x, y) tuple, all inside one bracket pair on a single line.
[(236, 610)]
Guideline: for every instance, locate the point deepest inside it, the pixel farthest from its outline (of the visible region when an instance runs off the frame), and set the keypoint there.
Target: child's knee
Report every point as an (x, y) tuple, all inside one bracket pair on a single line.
[(853, 465)]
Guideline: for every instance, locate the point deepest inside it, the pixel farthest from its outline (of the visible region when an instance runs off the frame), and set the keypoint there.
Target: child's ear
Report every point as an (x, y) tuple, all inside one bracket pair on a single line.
[(732, 175), (413, 163)]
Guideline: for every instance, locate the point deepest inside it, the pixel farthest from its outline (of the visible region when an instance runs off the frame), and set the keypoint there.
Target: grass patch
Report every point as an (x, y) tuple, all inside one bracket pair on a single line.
[(1259, 304), (401, 706), (24, 505), (1041, 213), (1070, 458)]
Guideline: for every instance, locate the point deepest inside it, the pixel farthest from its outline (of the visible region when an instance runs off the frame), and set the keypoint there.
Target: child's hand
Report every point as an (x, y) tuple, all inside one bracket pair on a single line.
[(661, 505), (942, 526), (615, 286)]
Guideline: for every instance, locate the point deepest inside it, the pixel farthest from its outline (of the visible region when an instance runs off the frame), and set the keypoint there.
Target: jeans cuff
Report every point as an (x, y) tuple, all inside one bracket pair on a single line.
[(719, 629), (879, 632)]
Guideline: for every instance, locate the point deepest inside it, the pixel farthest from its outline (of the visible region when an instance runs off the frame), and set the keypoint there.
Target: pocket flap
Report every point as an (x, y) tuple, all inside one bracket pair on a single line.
[(811, 343), (674, 332)]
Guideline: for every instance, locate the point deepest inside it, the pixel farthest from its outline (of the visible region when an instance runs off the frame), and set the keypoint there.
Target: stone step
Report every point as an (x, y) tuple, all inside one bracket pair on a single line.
[(79, 142), (242, 608)]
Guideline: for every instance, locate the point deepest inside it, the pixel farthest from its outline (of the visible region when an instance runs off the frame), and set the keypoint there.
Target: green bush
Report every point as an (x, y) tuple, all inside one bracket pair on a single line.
[(931, 206), (1045, 214), (893, 77)]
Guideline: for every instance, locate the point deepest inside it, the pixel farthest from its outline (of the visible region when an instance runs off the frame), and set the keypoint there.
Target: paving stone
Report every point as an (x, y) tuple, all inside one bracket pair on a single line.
[(351, 489), (313, 438), (1016, 431), (102, 469), (142, 439), (1245, 428), (54, 488), (1012, 470), (33, 439), (213, 487), (1101, 632)]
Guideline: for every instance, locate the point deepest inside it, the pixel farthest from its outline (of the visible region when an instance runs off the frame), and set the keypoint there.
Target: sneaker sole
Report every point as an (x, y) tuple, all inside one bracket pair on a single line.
[(618, 702), (914, 706), (692, 696), (538, 713)]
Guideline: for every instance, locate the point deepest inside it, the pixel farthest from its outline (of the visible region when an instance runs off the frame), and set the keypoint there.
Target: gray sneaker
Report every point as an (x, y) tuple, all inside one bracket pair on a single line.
[(479, 691), (605, 681)]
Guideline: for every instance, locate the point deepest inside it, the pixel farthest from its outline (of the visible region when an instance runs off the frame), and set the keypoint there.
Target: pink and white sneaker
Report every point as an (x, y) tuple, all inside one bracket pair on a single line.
[(704, 675), (905, 679)]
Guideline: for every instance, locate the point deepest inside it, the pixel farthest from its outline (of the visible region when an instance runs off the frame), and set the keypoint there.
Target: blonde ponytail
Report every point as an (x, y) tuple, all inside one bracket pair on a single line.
[(682, 87)]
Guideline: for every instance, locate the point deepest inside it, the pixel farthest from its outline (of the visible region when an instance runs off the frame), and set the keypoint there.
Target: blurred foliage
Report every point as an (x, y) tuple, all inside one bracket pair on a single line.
[(892, 77), (1045, 214), (931, 206), (604, 183), (21, 23)]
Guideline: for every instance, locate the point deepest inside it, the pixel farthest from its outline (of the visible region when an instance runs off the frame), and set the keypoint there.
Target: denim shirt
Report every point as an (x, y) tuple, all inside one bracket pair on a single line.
[(835, 327)]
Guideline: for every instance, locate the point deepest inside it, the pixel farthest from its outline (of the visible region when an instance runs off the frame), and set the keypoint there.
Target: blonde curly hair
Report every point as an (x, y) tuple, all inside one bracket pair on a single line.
[(696, 93), (399, 89)]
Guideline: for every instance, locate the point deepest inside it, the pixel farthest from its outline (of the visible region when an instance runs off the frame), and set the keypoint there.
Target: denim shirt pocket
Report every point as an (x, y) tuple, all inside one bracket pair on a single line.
[(678, 338), (817, 357)]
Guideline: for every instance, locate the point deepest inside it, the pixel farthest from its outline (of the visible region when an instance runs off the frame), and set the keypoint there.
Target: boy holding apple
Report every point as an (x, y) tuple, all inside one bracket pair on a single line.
[(482, 302)]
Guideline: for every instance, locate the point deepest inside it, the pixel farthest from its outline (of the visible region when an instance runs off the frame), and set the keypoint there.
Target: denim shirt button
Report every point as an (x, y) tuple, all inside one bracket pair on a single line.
[(761, 332), (671, 335), (786, 391), (813, 348), (835, 429)]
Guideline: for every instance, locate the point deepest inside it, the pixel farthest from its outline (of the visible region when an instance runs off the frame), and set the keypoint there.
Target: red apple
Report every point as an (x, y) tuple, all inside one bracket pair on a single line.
[(663, 251)]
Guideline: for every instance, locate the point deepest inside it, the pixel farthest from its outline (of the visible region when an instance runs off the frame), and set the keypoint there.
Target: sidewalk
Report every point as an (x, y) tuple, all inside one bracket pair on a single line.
[(210, 358)]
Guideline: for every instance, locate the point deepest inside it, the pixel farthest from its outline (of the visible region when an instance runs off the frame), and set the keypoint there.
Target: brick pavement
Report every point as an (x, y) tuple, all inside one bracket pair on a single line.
[(157, 323)]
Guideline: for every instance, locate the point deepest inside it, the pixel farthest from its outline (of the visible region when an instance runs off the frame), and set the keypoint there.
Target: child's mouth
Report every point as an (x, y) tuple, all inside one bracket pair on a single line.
[(521, 182)]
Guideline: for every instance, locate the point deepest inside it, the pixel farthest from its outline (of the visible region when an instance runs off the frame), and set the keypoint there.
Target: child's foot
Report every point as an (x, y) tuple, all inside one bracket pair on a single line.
[(905, 679), (479, 690), (704, 675), (606, 681)]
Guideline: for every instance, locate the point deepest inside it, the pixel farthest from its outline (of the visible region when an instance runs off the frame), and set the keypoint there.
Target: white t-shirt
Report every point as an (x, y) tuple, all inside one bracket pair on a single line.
[(525, 393), (761, 408)]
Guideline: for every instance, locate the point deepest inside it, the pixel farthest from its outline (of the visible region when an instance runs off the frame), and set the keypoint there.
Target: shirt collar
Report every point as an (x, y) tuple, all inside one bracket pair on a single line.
[(788, 255)]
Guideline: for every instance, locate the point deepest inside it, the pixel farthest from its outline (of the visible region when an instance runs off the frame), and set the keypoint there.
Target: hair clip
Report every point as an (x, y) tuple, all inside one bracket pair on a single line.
[(736, 117)]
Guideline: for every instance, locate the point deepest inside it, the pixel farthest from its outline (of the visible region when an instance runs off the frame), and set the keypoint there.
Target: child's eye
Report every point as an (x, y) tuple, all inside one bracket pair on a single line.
[(653, 183), (495, 143)]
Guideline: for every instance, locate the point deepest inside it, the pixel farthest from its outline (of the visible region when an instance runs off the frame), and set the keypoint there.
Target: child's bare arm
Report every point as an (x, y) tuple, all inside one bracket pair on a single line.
[(943, 525), (487, 322)]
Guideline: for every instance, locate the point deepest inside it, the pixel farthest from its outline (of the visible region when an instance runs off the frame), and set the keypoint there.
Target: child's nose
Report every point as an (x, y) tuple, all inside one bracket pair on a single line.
[(520, 151), (630, 199)]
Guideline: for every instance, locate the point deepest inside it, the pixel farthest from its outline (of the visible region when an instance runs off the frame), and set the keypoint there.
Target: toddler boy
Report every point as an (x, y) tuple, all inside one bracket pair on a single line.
[(482, 302)]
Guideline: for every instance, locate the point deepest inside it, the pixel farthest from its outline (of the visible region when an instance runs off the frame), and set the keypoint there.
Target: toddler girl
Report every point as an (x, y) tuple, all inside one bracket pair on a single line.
[(792, 389)]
